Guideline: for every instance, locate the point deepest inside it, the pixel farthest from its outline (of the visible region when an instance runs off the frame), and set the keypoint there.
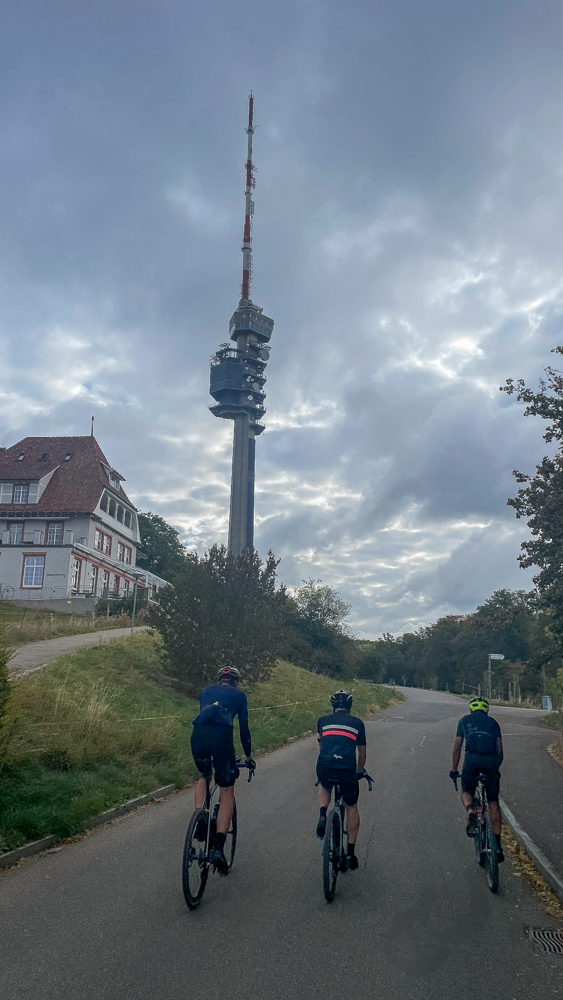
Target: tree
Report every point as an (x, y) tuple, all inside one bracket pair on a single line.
[(540, 498), (161, 550), (318, 637), (223, 609)]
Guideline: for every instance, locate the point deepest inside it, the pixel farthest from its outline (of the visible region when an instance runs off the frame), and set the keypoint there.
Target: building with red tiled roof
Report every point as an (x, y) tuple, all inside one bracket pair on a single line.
[(68, 531)]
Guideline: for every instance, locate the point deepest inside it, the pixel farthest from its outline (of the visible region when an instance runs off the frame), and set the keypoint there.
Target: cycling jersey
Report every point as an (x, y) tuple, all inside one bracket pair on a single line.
[(339, 735), (480, 734), (218, 706)]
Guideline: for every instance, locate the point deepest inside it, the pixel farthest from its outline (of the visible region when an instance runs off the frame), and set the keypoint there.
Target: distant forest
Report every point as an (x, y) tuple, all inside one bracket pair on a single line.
[(453, 653)]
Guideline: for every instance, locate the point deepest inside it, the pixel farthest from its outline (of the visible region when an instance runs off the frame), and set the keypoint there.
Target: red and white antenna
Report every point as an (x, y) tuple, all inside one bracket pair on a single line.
[(249, 208)]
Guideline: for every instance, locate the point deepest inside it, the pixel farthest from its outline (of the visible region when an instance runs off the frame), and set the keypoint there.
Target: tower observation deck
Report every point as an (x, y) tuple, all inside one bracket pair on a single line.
[(237, 380)]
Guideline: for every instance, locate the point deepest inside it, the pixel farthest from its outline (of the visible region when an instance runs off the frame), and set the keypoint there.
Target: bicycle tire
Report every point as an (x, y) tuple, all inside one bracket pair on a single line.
[(331, 854), (232, 843), (491, 856), (478, 842), (195, 864)]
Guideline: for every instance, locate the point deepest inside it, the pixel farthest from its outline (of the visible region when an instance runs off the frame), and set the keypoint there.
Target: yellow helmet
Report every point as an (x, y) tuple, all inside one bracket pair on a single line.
[(479, 704)]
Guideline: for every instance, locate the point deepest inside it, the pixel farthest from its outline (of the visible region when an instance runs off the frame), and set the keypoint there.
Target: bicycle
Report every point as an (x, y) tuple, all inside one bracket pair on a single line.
[(486, 847), (196, 863), (334, 855)]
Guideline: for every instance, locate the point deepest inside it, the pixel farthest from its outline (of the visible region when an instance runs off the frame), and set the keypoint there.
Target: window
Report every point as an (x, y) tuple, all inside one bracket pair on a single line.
[(95, 571), (21, 494), (120, 513), (114, 480), (67, 457), (127, 555), (116, 585), (102, 542), (33, 569), (16, 533), (107, 545), (75, 578), (44, 456), (127, 519), (54, 534), (21, 457), (105, 583), (98, 539), (104, 502), (120, 552), (126, 586), (112, 506)]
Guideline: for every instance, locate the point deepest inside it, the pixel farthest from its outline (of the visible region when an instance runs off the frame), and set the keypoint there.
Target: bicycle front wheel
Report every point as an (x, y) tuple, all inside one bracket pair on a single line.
[(231, 843), (491, 856), (195, 864), (331, 854)]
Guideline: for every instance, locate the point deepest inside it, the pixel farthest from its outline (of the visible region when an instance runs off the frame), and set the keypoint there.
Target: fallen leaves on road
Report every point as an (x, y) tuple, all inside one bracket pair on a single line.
[(524, 867), (556, 750)]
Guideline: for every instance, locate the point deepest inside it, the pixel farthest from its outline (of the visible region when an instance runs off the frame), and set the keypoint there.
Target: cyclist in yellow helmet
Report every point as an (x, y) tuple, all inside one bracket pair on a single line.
[(483, 755)]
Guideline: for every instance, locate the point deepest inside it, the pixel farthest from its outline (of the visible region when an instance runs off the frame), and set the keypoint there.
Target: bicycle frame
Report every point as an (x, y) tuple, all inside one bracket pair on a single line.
[(485, 843)]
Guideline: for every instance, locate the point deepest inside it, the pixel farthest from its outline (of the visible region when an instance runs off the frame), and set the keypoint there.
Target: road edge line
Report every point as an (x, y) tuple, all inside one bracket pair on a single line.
[(537, 855)]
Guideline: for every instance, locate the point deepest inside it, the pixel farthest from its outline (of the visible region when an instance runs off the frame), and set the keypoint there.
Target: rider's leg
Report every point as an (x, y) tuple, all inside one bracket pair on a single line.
[(324, 798), (199, 793), (352, 824), (467, 800), (496, 818), (226, 806)]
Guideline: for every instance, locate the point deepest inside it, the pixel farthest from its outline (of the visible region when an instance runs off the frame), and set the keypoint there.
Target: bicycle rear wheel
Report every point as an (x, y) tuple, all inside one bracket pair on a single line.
[(331, 854), (491, 856), (479, 842), (195, 864), (231, 843)]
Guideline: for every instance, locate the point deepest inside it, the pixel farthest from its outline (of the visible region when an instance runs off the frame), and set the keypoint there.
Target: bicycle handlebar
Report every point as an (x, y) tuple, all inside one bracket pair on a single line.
[(368, 778), (251, 768)]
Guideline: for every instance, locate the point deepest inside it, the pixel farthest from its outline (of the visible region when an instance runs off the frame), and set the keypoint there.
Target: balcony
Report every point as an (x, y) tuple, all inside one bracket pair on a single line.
[(37, 537)]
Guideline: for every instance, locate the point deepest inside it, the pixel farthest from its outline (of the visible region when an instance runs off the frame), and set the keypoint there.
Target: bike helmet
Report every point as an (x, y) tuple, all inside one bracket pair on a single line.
[(230, 674), (341, 699), (479, 705)]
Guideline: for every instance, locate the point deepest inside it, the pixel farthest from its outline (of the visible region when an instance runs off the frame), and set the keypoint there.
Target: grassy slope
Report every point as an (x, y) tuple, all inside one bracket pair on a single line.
[(19, 624), (100, 726)]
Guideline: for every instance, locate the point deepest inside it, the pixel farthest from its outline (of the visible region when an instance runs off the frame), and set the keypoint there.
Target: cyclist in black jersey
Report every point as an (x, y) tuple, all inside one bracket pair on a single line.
[(213, 748), (483, 755), (340, 735)]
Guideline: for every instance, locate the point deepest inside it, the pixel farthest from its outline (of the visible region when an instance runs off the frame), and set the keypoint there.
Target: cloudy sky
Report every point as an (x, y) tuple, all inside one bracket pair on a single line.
[(408, 242)]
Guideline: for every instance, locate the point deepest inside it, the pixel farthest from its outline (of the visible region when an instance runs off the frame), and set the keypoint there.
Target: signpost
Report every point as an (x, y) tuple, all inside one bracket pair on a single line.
[(492, 656)]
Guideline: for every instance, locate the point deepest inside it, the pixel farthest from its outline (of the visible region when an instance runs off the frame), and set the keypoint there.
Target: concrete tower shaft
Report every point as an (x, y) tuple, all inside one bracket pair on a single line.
[(237, 378)]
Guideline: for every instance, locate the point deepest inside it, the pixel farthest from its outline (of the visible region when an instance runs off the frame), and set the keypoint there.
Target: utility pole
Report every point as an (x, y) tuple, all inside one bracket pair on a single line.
[(237, 378)]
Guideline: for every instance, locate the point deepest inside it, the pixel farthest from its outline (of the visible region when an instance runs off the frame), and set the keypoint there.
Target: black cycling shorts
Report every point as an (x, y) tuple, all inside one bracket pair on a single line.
[(213, 747), (472, 770), (329, 776)]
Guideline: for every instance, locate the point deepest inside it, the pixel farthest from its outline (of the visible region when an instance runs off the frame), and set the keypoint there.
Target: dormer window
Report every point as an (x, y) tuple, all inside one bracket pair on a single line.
[(44, 456), (113, 480), (67, 457), (21, 494), (21, 457)]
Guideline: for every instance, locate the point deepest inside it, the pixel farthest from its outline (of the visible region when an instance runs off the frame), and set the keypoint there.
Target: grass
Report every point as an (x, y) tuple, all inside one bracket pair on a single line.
[(100, 726), (20, 625)]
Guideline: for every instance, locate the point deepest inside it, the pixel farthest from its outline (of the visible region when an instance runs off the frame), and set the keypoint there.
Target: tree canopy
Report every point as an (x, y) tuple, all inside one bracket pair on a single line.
[(161, 550)]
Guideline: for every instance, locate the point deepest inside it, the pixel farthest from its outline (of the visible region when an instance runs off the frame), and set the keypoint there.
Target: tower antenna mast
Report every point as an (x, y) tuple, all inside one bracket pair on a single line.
[(249, 208)]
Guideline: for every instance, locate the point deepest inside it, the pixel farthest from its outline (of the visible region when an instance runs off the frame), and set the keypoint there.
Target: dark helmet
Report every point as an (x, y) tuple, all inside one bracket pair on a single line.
[(229, 674), (479, 705), (341, 699)]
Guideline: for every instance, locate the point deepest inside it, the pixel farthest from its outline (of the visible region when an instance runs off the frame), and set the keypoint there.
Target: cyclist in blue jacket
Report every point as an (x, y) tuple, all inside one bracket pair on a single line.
[(213, 747)]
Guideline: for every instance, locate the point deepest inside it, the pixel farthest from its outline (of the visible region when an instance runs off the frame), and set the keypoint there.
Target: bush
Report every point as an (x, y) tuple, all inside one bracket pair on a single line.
[(223, 609), (4, 680)]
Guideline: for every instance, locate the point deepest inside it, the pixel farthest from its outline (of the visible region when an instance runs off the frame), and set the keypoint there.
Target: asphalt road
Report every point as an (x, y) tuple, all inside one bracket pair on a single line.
[(105, 918)]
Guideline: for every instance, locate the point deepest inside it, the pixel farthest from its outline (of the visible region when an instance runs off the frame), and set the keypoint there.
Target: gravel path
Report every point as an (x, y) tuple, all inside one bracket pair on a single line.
[(35, 655)]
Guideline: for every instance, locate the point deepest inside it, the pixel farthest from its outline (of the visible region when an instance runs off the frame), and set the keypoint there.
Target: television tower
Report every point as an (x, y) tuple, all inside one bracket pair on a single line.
[(237, 378)]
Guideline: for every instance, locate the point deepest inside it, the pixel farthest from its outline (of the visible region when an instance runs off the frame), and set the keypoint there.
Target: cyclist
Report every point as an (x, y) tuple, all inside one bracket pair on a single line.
[(213, 747), (483, 755), (340, 735)]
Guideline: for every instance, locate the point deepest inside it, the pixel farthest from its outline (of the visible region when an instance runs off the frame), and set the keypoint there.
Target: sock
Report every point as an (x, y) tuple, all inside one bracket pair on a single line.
[(350, 850), (323, 810), (220, 839)]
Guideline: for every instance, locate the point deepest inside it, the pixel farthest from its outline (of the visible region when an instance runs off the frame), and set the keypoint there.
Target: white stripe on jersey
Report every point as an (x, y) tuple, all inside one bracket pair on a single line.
[(337, 725)]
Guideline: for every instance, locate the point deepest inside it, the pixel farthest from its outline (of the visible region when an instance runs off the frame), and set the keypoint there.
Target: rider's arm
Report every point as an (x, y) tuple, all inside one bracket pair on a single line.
[(361, 758), (456, 755), (500, 752), (243, 727)]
